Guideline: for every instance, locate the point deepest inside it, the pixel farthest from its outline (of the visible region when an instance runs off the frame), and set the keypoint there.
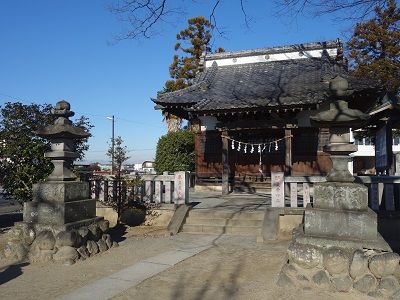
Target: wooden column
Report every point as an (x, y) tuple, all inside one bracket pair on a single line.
[(288, 152), (225, 164)]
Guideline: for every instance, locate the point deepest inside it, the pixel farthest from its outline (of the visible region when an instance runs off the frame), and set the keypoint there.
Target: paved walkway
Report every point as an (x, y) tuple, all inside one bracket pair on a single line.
[(114, 284)]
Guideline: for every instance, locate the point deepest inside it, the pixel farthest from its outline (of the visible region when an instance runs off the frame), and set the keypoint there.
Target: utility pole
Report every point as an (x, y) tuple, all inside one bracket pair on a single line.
[(112, 144)]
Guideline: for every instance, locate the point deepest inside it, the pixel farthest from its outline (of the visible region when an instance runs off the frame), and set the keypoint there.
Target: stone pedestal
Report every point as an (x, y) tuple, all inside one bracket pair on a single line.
[(60, 203), (341, 211), (340, 216)]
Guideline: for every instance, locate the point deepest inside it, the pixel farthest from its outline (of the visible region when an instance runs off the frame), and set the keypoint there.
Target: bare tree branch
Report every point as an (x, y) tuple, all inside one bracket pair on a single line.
[(246, 21), (143, 16), (349, 9), (212, 18)]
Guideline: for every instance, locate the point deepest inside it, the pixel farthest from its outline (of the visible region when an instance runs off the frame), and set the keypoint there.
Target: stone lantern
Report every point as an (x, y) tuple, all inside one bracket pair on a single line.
[(339, 118), (62, 136), (61, 201), (340, 208), (338, 246), (60, 222)]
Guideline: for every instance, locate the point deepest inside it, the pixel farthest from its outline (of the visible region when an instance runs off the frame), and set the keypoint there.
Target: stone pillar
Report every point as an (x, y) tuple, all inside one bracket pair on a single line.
[(181, 185), (277, 189)]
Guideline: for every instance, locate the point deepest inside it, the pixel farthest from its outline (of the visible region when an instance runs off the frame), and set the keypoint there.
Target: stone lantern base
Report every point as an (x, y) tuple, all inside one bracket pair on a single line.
[(339, 248), (60, 224), (60, 203)]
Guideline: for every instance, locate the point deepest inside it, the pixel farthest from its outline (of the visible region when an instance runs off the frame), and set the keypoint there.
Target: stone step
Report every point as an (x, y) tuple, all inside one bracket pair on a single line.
[(229, 230), (226, 214), (223, 222), (253, 183), (252, 187)]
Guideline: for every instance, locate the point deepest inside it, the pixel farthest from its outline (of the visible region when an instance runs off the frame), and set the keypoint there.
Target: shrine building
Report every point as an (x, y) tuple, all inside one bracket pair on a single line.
[(250, 111)]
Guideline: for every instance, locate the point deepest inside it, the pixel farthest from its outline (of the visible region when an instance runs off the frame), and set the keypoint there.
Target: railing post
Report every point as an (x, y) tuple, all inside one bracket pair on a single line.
[(293, 194), (105, 191), (306, 194), (97, 189), (157, 191), (168, 190), (114, 191), (148, 190)]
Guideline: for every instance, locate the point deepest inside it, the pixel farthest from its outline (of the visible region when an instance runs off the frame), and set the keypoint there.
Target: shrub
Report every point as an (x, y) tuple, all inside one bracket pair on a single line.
[(175, 152)]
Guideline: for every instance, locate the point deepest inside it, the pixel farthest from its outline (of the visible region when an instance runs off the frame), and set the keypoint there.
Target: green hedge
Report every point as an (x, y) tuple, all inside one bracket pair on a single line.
[(175, 152)]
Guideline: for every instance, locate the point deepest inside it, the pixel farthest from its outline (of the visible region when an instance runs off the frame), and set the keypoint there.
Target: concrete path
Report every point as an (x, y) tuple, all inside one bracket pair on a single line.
[(114, 284)]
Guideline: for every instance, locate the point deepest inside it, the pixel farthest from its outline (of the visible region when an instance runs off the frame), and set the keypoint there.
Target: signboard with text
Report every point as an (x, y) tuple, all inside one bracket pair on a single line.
[(278, 189)]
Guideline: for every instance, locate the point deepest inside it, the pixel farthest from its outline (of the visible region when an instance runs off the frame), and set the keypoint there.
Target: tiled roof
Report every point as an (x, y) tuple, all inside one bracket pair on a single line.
[(290, 82)]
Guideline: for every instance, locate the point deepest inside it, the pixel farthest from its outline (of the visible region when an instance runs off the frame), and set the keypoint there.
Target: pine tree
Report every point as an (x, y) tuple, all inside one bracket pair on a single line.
[(375, 47), (192, 42)]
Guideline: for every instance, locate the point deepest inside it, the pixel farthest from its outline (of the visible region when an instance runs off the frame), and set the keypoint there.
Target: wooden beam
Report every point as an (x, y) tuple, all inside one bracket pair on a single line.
[(288, 152), (225, 163)]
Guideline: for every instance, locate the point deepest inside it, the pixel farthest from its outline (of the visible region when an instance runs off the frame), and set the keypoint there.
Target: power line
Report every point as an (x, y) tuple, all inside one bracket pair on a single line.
[(128, 150)]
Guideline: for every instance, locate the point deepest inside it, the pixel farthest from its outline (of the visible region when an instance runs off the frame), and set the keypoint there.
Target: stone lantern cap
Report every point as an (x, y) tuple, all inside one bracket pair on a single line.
[(339, 114), (63, 127)]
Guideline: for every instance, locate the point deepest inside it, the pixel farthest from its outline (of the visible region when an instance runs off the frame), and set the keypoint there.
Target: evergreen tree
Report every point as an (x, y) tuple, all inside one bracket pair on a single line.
[(375, 47)]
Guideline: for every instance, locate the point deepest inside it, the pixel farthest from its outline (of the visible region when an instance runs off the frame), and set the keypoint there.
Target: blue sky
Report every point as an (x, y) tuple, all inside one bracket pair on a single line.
[(52, 49)]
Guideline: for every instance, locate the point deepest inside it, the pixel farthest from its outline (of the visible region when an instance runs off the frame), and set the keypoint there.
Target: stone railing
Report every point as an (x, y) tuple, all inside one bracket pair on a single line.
[(292, 191), (297, 191), (165, 188)]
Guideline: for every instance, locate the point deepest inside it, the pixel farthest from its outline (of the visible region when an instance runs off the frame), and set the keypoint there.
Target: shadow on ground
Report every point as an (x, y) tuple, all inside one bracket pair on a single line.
[(118, 231), (8, 219), (11, 272)]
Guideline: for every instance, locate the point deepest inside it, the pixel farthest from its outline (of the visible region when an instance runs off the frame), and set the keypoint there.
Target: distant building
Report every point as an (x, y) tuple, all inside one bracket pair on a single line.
[(364, 159), (145, 167), (148, 166)]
